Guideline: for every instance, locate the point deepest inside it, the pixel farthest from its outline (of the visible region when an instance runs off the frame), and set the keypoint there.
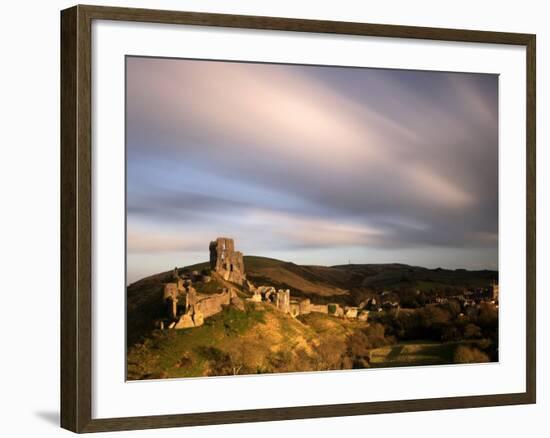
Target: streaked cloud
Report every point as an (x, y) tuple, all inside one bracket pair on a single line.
[(333, 159)]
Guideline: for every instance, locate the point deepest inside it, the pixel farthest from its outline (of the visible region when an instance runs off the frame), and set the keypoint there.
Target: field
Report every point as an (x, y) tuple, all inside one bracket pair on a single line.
[(425, 352), (410, 353)]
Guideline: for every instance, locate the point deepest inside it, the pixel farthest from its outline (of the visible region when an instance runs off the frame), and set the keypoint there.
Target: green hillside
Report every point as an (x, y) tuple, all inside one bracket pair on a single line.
[(396, 275), (349, 284), (309, 281), (259, 339)]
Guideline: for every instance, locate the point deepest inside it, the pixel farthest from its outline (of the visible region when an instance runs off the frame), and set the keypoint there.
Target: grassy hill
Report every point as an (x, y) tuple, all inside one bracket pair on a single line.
[(337, 282), (344, 284), (259, 339), (348, 284), (396, 276), (310, 281)]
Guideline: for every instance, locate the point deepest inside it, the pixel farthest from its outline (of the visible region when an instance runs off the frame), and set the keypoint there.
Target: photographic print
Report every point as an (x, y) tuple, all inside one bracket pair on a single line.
[(301, 218)]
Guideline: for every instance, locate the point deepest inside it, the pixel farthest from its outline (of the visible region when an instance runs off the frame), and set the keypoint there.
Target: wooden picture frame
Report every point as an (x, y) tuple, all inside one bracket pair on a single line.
[(76, 218)]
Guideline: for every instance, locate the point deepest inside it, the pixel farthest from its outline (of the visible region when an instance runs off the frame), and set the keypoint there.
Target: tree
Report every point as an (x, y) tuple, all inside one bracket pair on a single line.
[(472, 331), (331, 354)]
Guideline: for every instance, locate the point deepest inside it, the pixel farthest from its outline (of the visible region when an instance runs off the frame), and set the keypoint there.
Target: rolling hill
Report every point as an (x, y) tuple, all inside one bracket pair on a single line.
[(341, 282), (260, 339), (344, 284)]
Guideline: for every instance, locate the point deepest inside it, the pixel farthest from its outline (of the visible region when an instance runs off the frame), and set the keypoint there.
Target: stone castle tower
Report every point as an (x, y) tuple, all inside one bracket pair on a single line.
[(226, 261)]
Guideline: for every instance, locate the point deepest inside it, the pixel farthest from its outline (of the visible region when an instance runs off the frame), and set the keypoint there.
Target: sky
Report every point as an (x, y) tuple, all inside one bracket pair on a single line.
[(315, 165)]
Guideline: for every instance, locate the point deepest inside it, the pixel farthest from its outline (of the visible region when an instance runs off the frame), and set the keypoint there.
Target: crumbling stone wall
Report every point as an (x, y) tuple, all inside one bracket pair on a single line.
[(282, 300), (256, 297), (180, 284), (170, 296), (201, 307), (335, 309), (191, 297), (179, 297), (305, 306), (213, 303), (294, 309), (170, 291), (226, 261), (319, 308), (267, 293)]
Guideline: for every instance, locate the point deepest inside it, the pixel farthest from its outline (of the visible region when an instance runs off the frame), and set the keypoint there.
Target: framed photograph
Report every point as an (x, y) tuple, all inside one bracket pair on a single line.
[(270, 218)]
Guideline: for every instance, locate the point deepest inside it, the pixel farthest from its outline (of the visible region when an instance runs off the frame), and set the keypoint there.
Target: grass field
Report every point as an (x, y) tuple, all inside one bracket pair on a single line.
[(413, 353)]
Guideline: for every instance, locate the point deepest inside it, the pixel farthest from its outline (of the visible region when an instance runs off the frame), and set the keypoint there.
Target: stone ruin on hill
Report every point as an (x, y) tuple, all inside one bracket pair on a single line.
[(186, 308), (226, 261), (282, 300)]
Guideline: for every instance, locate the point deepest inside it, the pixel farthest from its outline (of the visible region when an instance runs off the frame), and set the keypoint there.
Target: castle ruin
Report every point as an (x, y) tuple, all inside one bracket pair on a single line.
[(186, 308), (226, 261)]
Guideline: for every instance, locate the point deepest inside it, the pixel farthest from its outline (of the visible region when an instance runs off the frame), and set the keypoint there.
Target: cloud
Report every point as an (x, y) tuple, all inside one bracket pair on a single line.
[(149, 241), (304, 231), (438, 188), (329, 156)]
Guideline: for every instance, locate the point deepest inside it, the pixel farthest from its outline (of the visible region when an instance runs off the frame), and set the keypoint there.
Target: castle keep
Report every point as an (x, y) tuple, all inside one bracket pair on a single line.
[(226, 261)]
